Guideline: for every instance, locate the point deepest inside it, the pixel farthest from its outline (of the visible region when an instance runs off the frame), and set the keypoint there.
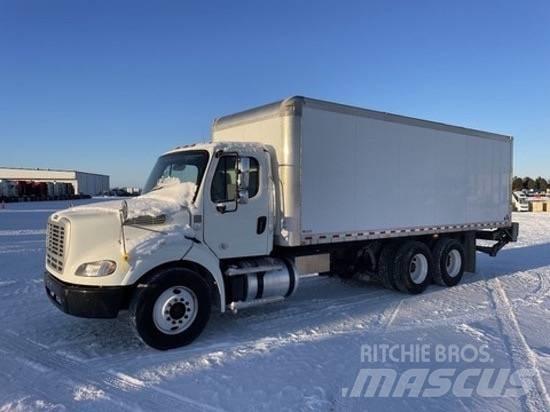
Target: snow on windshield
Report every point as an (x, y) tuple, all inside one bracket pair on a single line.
[(186, 166), (169, 198)]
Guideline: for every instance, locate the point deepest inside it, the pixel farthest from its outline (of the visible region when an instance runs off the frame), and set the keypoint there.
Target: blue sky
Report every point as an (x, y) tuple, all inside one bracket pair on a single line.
[(105, 86)]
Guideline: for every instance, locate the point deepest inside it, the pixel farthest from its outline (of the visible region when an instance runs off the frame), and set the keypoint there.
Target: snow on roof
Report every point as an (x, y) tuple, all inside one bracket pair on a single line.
[(212, 147)]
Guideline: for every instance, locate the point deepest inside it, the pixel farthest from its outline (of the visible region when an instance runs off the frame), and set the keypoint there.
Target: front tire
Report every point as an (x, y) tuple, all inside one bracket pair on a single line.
[(171, 309)]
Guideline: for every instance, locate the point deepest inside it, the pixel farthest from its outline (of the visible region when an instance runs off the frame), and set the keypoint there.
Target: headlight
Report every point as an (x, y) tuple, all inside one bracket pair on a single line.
[(99, 268)]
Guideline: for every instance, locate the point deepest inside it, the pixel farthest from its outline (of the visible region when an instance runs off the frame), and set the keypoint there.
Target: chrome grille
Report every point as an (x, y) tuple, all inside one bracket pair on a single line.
[(55, 246)]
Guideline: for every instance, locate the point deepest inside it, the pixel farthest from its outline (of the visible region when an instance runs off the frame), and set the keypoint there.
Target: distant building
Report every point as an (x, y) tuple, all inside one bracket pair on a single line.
[(83, 183)]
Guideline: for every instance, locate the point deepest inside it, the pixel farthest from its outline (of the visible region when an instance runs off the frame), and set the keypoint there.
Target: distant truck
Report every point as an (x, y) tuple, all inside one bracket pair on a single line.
[(294, 187), (520, 201)]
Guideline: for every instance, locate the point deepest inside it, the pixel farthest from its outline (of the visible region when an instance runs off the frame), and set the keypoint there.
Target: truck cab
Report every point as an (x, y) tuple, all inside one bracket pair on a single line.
[(233, 203), (202, 205)]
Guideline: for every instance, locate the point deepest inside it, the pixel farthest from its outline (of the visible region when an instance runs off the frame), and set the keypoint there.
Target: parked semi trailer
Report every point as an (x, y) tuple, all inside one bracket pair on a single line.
[(294, 187), (22, 190)]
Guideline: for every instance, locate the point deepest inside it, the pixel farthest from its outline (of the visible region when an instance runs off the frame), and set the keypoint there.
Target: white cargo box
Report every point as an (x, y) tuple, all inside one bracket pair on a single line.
[(346, 173)]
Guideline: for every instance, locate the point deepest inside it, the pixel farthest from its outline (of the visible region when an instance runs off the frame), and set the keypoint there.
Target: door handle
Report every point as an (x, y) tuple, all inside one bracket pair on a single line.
[(260, 226)]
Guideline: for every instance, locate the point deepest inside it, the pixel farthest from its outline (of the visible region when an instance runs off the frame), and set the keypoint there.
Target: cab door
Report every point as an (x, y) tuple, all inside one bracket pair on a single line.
[(233, 228)]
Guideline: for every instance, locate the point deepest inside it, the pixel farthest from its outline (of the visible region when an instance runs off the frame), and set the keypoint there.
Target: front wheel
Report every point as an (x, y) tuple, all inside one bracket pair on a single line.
[(171, 309)]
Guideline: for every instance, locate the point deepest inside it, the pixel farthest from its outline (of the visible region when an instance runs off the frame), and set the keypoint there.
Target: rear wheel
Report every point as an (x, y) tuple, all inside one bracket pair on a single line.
[(171, 309), (413, 267), (386, 266), (449, 262)]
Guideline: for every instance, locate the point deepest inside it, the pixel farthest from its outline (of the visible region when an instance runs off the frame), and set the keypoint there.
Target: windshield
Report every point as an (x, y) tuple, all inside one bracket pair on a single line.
[(188, 166)]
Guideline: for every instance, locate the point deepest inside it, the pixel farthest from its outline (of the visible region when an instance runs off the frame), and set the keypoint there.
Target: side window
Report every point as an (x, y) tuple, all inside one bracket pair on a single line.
[(224, 183)]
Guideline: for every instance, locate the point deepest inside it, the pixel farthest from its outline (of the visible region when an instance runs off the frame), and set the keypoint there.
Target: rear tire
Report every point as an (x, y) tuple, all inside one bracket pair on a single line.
[(413, 267), (448, 262), (386, 266), (171, 309)]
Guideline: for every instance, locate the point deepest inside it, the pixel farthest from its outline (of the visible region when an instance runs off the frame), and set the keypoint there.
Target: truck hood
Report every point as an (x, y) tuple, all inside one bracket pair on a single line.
[(157, 229), (171, 197)]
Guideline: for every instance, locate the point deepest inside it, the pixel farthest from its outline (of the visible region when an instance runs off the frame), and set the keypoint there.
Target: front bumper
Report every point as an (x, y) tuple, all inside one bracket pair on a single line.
[(86, 301)]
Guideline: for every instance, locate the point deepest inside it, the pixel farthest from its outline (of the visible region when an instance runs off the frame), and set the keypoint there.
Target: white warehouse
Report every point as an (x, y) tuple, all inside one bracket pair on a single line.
[(83, 183)]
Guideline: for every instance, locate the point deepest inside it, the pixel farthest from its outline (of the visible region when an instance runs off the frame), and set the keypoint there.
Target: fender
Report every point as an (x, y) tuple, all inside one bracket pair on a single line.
[(203, 256), (169, 252)]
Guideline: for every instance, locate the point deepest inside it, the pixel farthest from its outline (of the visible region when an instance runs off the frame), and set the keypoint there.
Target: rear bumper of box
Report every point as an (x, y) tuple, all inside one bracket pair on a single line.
[(86, 301)]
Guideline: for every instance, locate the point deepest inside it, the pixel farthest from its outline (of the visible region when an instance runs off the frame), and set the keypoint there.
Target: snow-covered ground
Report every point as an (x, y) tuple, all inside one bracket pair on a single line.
[(303, 354)]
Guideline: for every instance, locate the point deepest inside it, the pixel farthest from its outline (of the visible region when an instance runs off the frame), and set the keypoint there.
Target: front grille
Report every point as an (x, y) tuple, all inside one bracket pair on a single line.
[(55, 246)]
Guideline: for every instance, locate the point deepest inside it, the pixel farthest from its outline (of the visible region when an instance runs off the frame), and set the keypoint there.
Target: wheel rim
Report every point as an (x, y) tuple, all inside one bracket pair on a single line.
[(175, 310), (453, 263), (418, 268)]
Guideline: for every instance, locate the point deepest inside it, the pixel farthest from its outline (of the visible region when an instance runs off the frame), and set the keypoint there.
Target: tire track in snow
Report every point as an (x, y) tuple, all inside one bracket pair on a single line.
[(13, 397), (313, 321), (124, 382), (385, 327), (13, 251), (73, 374), (256, 326), (523, 357), (535, 297), (136, 384), (13, 287), (312, 314), (23, 232), (37, 359), (308, 310), (7, 211), (178, 363)]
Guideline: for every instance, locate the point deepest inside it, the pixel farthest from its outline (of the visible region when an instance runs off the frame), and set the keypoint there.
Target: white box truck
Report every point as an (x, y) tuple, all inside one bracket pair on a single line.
[(291, 188)]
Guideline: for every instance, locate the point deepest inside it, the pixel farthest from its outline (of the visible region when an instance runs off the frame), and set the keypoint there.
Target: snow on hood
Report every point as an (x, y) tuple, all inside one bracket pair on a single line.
[(168, 198)]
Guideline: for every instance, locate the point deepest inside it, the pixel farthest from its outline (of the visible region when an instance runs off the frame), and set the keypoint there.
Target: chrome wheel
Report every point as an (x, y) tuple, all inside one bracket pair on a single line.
[(418, 268), (175, 310), (453, 263)]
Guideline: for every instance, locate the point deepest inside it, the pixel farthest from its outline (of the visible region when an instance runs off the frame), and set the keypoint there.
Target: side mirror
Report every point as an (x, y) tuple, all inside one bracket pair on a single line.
[(124, 211), (243, 178)]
